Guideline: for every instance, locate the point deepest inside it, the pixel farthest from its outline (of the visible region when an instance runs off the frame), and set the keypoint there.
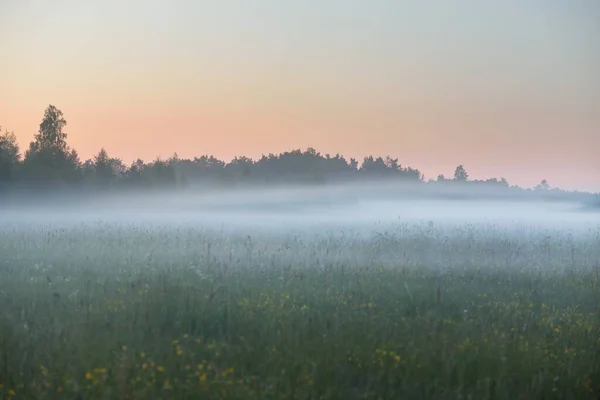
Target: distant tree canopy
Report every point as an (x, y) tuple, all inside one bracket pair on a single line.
[(50, 162), (543, 185), (49, 158), (9, 156), (460, 174)]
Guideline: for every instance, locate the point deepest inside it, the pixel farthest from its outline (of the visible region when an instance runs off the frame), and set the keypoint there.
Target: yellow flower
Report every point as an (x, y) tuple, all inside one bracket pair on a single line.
[(10, 393), (569, 351), (203, 378), (160, 368), (89, 376)]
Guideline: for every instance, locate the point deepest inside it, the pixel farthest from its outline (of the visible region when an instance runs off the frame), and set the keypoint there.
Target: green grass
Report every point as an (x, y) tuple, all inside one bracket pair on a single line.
[(96, 313)]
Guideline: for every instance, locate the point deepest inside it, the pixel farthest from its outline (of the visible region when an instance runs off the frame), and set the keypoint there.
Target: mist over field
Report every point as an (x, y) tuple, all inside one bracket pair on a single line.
[(277, 200), (346, 292), (290, 208), (299, 275)]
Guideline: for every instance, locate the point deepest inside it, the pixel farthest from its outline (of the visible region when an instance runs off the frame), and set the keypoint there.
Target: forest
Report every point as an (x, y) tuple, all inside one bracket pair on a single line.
[(49, 163)]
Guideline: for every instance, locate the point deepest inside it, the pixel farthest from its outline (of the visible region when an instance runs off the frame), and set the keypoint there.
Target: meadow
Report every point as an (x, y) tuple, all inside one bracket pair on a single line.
[(103, 308)]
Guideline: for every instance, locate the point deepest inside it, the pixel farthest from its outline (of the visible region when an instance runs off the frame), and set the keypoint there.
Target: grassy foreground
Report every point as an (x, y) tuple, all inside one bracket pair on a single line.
[(272, 332)]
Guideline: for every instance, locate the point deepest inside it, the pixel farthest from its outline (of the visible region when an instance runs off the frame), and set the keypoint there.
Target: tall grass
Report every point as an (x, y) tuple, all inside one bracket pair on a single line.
[(117, 311)]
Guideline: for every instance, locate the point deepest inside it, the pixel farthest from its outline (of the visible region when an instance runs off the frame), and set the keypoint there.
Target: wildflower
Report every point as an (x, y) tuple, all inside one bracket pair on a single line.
[(569, 351), (11, 393), (88, 376), (160, 368), (203, 378)]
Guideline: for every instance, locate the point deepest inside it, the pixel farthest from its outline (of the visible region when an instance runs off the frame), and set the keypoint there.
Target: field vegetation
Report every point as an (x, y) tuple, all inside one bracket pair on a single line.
[(120, 310)]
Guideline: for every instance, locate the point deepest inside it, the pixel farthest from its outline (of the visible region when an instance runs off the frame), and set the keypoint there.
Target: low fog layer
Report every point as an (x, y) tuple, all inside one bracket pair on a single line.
[(299, 227), (301, 207)]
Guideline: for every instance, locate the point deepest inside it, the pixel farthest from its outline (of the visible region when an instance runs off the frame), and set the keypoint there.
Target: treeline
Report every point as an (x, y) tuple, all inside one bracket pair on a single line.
[(50, 163)]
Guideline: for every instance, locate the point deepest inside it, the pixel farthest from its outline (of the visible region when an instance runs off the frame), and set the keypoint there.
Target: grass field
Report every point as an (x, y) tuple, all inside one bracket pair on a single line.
[(409, 311)]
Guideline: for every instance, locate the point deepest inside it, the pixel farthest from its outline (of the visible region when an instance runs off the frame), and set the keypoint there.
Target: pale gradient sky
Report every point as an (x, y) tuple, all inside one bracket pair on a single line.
[(508, 88)]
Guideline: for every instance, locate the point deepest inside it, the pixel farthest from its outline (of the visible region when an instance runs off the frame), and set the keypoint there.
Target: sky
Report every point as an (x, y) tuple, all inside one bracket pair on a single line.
[(506, 88)]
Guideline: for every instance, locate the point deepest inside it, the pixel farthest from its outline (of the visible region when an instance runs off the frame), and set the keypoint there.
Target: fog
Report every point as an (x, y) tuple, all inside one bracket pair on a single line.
[(300, 208)]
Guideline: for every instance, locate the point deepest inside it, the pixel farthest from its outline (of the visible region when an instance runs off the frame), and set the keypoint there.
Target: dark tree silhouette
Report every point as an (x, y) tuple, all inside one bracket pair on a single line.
[(543, 185), (49, 158), (9, 157), (460, 174), (51, 163)]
